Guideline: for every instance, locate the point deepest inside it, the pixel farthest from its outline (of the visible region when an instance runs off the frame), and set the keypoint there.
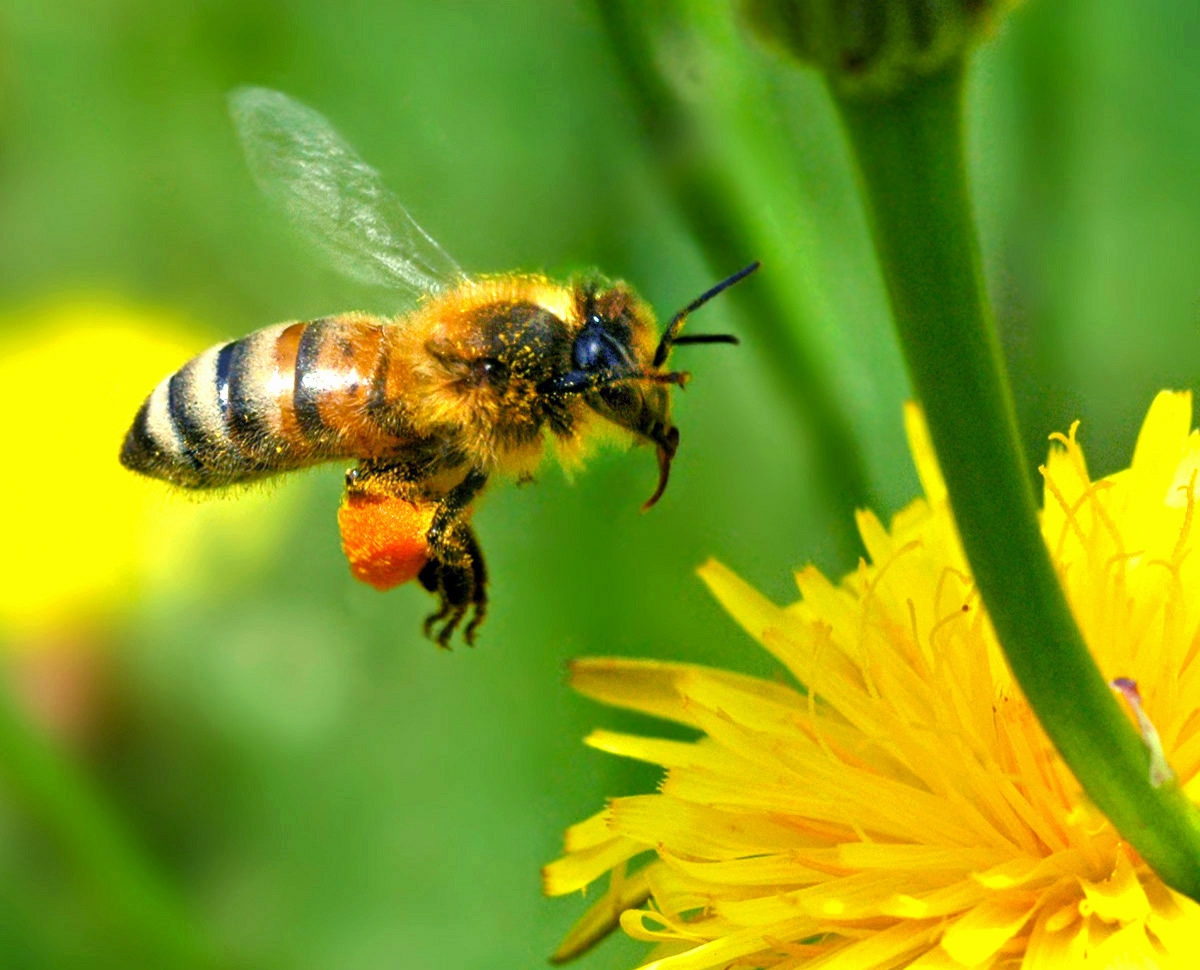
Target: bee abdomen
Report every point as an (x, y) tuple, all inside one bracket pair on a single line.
[(281, 398), (185, 432)]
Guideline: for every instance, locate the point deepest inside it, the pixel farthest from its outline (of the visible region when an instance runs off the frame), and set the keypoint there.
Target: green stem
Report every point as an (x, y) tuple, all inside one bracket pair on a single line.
[(149, 918), (909, 150), (703, 195)]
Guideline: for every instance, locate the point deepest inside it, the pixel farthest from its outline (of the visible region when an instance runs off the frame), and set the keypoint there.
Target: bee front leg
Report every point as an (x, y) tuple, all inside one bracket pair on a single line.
[(460, 585)]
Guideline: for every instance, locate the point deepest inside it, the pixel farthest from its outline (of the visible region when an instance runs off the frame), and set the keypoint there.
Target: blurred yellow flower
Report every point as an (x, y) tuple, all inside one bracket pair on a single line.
[(908, 811), (81, 533)]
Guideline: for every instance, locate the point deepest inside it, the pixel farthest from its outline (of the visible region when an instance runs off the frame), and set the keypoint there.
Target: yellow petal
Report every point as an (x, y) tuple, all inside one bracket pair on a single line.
[(756, 614), (701, 831), (1175, 919), (985, 929), (724, 951), (924, 457), (1120, 898), (855, 897), (1163, 437), (579, 869), (876, 539), (604, 915), (591, 831), (639, 685), (1130, 949), (777, 869), (945, 901), (1026, 871), (886, 948), (881, 855), (658, 688), (657, 751), (1052, 948), (1161, 445), (935, 959)]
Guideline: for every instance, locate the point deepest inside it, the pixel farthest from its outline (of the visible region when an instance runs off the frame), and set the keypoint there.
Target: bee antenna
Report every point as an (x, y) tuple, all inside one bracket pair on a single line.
[(705, 338), (671, 334)]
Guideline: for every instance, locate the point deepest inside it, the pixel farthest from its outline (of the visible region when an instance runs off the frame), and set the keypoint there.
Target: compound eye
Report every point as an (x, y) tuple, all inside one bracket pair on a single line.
[(491, 371), (595, 349)]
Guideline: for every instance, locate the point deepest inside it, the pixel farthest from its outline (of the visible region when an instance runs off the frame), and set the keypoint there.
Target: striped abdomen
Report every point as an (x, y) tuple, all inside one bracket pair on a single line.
[(281, 398)]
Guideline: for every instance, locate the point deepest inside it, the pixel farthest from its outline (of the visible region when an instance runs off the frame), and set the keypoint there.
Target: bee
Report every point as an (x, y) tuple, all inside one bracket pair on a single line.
[(469, 383)]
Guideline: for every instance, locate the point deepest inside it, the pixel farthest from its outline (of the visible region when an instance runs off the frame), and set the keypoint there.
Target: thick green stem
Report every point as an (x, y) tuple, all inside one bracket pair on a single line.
[(909, 150), (153, 926)]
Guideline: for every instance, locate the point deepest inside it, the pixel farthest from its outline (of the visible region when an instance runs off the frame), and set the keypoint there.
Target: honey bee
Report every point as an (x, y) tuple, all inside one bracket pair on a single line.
[(470, 383)]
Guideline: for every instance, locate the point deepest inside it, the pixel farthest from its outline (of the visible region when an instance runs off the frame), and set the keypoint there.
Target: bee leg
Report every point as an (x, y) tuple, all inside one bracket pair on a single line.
[(440, 581), (453, 584), (478, 585), (455, 571), (460, 586), (371, 477), (445, 540), (430, 577)]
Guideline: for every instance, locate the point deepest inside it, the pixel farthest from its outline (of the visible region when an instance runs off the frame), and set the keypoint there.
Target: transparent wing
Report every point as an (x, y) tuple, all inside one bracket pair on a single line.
[(334, 197)]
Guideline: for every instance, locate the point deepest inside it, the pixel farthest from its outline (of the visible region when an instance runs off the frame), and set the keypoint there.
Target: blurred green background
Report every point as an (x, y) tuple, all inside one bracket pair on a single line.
[(316, 783)]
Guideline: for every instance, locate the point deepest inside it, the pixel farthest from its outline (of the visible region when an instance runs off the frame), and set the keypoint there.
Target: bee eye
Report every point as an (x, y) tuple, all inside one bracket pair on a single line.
[(595, 349), (491, 370)]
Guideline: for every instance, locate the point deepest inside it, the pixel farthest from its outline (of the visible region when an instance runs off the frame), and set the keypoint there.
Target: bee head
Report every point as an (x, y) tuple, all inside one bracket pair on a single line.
[(616, 347), (617, 365)]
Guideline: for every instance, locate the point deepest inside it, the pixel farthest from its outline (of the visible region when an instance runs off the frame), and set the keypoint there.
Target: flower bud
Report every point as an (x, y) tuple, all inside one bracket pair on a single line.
[(875, 47)]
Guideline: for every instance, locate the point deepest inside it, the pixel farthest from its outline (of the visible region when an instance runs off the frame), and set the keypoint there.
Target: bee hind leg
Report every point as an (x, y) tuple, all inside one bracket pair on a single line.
[(446, 536), (447, 582), (478, 587), (461, 586)]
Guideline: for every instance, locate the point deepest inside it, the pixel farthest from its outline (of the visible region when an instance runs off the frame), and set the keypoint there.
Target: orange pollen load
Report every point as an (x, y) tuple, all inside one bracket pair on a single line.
[(383, 537)]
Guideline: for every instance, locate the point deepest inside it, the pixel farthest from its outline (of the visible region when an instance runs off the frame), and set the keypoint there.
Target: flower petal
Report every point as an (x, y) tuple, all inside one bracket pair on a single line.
[(720, 952), (985, 929), (604, 915), (577, 870), (924, 457), (658, 688), (1118, 899), (701, 831)]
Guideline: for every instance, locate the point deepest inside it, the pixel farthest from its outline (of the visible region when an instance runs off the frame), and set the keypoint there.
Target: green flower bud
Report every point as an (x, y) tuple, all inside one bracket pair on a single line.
[(875, 47)]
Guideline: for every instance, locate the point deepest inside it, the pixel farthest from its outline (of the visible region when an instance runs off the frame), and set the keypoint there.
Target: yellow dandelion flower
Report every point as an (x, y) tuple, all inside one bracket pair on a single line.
[(908, 810), (82, 534)]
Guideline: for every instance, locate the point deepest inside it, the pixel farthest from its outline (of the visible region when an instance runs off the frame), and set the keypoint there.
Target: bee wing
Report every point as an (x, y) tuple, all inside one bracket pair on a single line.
[(334, 197)]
